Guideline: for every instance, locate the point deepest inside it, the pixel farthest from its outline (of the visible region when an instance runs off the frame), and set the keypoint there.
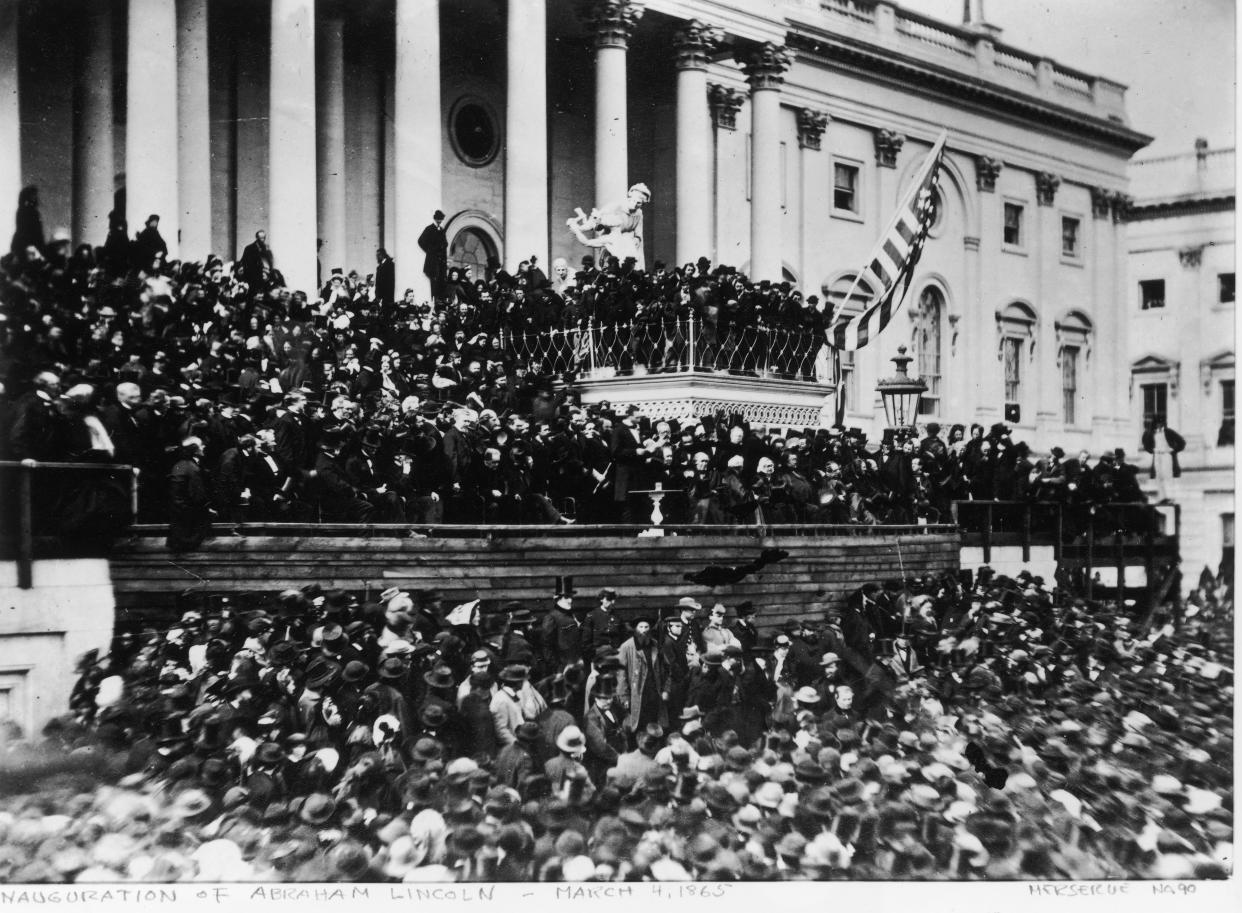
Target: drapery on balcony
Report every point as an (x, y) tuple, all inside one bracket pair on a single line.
[(601, 350)]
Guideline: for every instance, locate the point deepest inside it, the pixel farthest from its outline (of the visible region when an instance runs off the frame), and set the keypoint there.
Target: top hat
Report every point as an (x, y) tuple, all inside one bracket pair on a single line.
[(565, 587)]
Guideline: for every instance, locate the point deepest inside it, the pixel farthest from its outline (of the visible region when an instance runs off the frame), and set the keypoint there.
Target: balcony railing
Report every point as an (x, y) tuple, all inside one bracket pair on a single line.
[(603, 350)]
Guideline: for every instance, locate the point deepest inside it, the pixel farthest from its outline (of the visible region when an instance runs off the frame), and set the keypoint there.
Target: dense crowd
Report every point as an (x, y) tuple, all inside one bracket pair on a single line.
[(986, 728), (239, 399)]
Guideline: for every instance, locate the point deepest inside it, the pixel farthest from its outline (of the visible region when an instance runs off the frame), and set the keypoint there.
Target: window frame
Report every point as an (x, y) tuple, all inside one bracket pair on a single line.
[(1221, 300), (1076, 257), (1070, 394), (1143, 288), (856, 214), (1153, 385), (1019, 246), (935, 381)]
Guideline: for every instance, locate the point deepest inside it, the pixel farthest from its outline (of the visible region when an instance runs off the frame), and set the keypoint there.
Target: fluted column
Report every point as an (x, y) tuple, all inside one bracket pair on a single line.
[(292, 173), (694, 172), (417, 135), (330, 139), (814, 184), (194, 129), (94, 163), (10, 114), (764, 69), (526, 135), (151, 119), (613, 22), (1047, 399)]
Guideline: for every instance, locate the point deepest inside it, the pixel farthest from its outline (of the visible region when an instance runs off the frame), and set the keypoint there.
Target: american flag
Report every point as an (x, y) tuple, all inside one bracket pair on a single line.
[(892, 262)]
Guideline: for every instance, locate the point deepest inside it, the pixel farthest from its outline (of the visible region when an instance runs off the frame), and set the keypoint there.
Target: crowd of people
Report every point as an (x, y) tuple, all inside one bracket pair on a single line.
[(933, 728), (238, 400)]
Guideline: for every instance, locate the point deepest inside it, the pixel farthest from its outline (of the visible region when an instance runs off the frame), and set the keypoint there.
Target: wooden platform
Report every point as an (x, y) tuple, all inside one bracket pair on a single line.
[(522, 564)]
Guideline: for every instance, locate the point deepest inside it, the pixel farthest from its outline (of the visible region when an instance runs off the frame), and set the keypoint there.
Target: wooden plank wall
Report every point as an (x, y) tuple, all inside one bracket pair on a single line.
[(647, 573)]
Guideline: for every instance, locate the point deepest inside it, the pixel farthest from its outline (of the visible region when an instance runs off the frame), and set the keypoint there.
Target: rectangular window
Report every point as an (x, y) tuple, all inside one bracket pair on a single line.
[(1069, 383), (1013, 370), (1225, 437), (1151, 293), (1013, 225), (1226, 288), (845, 187), (1069, 237), (1155, 406), (849, 383), (1226, 542)]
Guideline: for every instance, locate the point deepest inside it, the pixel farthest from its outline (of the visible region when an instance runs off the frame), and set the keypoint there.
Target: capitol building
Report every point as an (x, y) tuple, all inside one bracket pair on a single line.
[(774, 135)]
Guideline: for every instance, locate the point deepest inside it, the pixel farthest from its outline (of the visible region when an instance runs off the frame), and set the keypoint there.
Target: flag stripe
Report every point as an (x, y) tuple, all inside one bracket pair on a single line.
[(892, 263)]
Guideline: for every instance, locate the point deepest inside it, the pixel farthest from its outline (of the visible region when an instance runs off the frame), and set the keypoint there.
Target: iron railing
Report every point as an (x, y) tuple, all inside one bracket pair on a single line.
[(595, 350)]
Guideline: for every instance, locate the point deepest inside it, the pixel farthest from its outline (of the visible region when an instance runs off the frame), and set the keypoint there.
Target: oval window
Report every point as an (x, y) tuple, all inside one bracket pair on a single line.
[(476, 137)]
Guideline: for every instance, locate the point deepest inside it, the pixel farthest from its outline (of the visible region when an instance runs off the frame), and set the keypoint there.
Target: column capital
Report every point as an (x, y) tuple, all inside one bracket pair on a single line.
[(725, 103), (987, 170), (1101, 202), (765, 65), (888, 145), (811, 126), (1046, 185), (1191, 257), (612, 21), (694, 43), (1121, 205)]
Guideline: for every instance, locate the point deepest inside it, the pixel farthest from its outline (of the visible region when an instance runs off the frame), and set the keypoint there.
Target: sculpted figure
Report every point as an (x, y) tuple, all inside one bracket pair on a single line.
[(618, 227)]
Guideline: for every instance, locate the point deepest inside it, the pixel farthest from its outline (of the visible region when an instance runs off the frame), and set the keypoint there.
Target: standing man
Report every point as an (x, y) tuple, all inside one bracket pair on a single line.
[(561, 631), (255, 268), (602, 628), (385, 280), (642, 680), (189, 506), (149, 244), (434, 243)]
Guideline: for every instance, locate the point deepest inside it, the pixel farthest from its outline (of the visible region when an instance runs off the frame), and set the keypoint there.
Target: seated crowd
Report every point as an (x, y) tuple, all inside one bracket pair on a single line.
[(241, 400), (930, 728)]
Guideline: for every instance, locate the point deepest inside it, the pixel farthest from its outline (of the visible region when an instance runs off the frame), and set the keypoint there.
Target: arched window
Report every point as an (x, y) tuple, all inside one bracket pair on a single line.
[(472, 247), (927, 323)]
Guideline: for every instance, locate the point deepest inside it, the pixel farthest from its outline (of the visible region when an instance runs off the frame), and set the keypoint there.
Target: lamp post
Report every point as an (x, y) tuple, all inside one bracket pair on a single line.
[(900, 395)]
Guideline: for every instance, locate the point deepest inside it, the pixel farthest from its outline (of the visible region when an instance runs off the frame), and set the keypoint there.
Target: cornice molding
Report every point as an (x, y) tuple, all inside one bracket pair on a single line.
[(871, 62)]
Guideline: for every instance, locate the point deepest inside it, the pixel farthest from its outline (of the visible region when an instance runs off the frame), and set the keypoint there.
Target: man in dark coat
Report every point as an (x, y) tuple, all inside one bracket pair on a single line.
[(434, 244), (602, 628), (339, 501), (149, 243), (561, 632), (385, 279), (256, 264), (38, 431), (189, 513)]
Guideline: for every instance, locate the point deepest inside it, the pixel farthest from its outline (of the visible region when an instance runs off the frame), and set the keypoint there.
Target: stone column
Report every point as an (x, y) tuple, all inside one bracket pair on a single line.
[(10, 115), (1048, 407), (1104, 363), (1125, 414), (988, 375), (764, 69), (94, 162), (151, 119), (1186, 404), (417, 139), (294, 219), (613, 23), (526, 135), (194, 130), (815, 185), (694, 172), (330, 140), (728, 159), (887, 148)]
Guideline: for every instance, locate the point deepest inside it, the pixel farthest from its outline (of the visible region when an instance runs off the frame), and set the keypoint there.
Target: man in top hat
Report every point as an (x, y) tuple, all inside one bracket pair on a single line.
[(605, 735), (602, 628), (562, 631), (434, 244)]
